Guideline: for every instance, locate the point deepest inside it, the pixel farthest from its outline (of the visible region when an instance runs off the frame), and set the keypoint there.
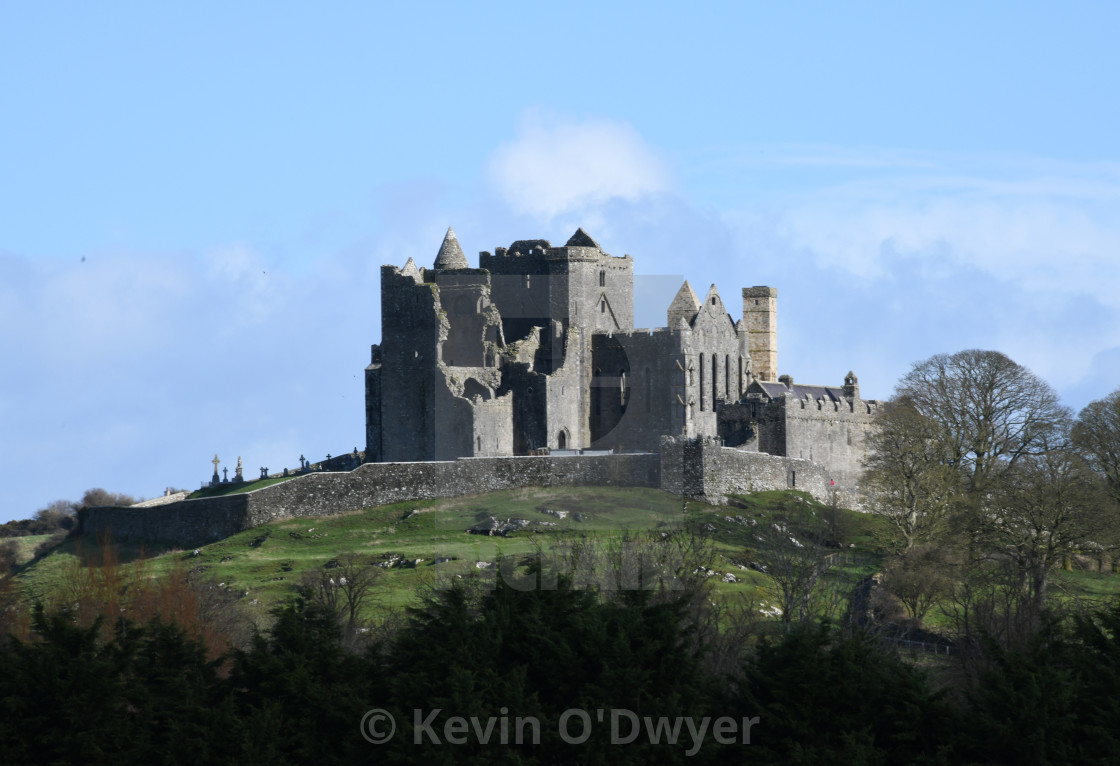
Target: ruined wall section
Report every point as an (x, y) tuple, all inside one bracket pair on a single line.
[(183, 524), (474, 327), (519, 286), (412, 327), (716, 367), (832, 434), (196, 522), (636, 395), (471, 418), (703, 469), (566, 390), (373, 405)]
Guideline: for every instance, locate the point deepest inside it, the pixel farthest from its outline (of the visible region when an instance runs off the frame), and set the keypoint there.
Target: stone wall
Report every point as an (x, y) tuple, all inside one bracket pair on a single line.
[(703, 469), (183, 524), (197, 522)]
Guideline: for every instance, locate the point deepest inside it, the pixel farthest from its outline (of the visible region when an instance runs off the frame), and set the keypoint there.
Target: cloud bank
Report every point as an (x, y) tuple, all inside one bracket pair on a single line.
[(558, 167)]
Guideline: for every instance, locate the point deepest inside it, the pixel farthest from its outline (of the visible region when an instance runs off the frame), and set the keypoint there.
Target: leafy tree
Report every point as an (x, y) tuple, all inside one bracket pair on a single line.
[(1097, 435), (823, 698), (1043, 509)]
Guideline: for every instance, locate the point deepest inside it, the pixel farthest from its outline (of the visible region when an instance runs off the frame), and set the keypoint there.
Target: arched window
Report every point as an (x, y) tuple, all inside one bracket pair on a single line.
[(701, 382), (715, 380), (562, 440), (727, 378)]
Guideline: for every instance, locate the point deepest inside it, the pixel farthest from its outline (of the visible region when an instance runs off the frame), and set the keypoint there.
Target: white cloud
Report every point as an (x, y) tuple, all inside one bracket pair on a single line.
[(558, 167)]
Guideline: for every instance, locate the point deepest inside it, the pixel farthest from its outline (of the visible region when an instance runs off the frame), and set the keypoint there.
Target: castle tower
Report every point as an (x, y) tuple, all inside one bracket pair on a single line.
[(760, 313), (450, 254)]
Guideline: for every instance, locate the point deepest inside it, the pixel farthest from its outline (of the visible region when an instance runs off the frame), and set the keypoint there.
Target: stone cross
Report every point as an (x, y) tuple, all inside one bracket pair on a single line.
[(225, 475), (215, 461)]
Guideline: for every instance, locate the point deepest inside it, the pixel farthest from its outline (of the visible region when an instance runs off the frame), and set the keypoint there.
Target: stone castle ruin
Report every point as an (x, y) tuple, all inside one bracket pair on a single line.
[(528, 371), (535, 350)]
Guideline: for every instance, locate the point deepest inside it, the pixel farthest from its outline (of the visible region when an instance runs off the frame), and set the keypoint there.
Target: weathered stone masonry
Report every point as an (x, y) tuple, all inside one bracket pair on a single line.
[(536, 349), (197, 522), (479, 370), (698, 468)]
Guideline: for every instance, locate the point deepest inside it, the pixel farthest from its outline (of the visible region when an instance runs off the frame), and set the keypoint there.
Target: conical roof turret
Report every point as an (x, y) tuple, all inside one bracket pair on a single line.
[(450, 254)]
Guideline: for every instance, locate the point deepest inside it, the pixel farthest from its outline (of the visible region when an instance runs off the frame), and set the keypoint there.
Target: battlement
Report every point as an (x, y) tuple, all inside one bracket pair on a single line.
[(536, 348)]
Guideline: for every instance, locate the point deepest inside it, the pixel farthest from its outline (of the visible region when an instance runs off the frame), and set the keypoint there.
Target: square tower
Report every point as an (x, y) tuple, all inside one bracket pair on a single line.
[(760, 315)]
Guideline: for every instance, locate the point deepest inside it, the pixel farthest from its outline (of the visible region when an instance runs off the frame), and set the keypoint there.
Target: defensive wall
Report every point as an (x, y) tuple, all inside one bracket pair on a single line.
[(190, 523), (699, 468)]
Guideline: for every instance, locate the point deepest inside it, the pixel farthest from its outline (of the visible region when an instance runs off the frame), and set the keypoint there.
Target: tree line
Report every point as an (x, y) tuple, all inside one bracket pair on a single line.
[(990, 484), (300, 691)]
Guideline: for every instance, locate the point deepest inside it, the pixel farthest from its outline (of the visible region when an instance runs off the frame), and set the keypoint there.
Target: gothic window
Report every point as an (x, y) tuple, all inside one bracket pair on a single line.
[(602, 278), (701, 382), (715, 380), (562, 440), (727, 378)]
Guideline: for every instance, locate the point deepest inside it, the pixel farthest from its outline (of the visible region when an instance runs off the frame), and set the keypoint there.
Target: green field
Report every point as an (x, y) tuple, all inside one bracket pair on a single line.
[(426, 542)]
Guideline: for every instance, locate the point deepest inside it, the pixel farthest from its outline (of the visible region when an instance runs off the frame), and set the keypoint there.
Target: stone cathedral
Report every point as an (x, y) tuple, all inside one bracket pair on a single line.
[(536, 350)]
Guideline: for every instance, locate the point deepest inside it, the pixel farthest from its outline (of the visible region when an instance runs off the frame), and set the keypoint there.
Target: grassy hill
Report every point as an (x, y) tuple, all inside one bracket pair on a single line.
[(420, 543)]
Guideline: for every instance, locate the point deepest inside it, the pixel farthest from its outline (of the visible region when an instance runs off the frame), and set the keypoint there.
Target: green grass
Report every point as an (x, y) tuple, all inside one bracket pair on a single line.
[(25, 546), (237, 489), (265, 563)]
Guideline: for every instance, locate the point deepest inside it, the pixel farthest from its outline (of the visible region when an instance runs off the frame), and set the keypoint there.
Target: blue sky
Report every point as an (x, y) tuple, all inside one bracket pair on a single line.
[(195, 201)]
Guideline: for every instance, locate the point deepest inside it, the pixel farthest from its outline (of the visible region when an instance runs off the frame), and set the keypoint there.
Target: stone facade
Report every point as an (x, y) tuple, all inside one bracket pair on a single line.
[(499, 376), (536, 349), (699, 468)]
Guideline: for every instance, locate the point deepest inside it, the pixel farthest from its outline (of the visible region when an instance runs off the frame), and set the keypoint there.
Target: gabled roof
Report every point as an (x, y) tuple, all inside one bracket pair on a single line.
[(450, 254), (684, 305), (582, 239), (410, 269), (811, 393)]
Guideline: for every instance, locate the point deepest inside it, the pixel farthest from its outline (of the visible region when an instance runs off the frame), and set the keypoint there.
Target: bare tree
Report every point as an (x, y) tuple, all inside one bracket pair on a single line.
[(795, 563), (920, 578), (906, 476), (987, 411), (342, 590), (1097, 435)]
